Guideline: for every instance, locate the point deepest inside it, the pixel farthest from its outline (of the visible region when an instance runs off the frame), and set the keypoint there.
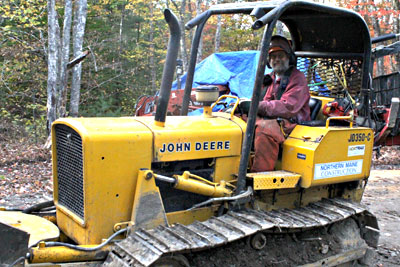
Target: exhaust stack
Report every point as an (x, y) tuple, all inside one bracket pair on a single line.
[(169, 67)]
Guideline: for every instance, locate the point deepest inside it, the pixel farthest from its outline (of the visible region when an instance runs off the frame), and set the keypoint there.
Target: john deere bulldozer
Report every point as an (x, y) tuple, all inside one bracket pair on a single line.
[(176, 191)]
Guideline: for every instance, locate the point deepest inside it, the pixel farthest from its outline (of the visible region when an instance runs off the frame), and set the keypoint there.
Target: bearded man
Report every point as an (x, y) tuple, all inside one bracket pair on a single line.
[(285, 104)]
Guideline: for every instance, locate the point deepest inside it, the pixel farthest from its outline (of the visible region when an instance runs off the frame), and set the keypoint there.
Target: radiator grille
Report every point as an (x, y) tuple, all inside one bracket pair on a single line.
[(69, 169)]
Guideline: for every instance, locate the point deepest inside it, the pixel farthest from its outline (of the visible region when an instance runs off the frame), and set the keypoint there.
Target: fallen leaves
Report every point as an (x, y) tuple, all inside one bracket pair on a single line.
[(387, 158), (25, 169)]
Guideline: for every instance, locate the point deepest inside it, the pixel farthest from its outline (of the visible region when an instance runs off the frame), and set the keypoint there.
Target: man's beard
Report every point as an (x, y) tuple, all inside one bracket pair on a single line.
[(280, 69)]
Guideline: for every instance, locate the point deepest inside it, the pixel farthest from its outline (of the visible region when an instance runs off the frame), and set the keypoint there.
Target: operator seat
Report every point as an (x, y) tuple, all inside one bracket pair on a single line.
[(315, 105)]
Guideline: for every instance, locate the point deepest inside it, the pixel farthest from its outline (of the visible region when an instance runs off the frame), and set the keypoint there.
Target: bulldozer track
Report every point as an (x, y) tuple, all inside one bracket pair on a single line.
[(144, 247)]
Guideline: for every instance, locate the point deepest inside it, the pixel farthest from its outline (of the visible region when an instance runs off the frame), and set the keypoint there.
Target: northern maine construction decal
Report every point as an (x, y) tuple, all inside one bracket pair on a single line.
[(335, 169)]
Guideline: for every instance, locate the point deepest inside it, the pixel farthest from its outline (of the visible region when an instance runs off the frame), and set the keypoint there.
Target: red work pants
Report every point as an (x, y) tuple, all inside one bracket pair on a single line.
[(268, 137)]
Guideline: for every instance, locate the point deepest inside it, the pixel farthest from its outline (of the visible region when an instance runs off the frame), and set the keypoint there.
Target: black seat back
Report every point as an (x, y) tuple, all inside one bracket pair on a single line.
[(315, 106)]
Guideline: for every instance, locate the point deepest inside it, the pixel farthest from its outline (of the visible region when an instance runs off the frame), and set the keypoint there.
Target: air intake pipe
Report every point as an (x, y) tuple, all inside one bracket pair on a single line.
[(169, 67)]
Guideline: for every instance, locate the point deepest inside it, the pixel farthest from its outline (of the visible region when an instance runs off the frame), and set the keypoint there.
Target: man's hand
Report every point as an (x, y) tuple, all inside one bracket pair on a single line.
[(267, 80)]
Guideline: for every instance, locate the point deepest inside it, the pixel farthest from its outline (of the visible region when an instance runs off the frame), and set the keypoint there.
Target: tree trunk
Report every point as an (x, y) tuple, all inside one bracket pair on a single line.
[(182, 12), (78, 33), (396, 28), (184, 52), (52, 77), (121, 45), (62, 95), (380, 68), (200, 50), (152, 52), (218, 33), (279, 28)]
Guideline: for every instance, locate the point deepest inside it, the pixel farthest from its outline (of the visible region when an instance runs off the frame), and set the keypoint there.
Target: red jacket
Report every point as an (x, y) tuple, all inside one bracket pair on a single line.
[(293, 103)]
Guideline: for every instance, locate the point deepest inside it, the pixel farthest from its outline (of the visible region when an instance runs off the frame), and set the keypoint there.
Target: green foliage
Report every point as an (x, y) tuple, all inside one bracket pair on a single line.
[(23, 15), (119, 68), (23, 68), (123, 60), (237, 34), (103, 107), (16, 127)]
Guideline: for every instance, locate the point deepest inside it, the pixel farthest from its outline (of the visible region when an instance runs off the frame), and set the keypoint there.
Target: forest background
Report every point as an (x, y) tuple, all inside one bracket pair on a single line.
[(125, 45)]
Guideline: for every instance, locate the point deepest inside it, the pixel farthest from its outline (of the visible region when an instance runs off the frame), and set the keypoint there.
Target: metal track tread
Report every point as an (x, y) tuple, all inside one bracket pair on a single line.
[(144, 247)]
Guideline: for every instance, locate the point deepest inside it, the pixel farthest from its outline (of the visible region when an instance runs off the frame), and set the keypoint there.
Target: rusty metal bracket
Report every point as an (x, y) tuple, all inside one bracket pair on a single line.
[(148, 210)]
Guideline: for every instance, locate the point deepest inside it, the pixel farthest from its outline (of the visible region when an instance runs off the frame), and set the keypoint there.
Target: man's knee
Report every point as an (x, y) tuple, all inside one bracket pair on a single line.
[(269, 129)]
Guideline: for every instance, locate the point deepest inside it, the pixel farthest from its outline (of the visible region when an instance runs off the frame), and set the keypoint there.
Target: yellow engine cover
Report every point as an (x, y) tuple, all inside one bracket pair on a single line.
[(96, 189), (328, 155), (194, 137)]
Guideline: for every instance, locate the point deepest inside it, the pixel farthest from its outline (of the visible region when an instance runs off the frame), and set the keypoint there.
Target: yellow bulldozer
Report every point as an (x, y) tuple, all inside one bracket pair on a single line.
[(176, 190)]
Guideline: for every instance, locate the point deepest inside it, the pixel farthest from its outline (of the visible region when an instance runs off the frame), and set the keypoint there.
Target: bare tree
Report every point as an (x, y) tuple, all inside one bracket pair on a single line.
[(218, 32), (396, 28), (52, 78), (152, 48), (380, 68), (121, 39), (184, 52), (78, 33), (182, 13), (200, 50), (279, 28), (62, 92)]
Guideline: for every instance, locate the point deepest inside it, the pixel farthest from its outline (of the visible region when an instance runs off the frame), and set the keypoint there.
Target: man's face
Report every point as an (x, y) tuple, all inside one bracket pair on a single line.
[(279, 61)]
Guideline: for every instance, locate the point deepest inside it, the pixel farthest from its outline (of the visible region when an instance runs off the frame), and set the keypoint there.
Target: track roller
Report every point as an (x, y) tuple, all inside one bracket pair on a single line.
[(172, 261), (257, 241)]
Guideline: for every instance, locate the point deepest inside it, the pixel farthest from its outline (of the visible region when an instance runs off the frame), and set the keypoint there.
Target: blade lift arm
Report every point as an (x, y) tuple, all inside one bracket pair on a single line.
[(196, 184)]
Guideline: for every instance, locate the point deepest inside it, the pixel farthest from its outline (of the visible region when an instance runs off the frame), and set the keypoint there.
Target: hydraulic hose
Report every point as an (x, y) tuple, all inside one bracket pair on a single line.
[(39, 206), (218, 199), (53, 244)]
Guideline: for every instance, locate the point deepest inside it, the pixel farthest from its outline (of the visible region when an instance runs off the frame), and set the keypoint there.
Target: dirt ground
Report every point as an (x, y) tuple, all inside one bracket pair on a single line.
[(25, 179), (382, 197)]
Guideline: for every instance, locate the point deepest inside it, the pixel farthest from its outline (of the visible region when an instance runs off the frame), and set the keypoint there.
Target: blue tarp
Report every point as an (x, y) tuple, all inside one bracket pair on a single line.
[(238, 71), (235, 69)]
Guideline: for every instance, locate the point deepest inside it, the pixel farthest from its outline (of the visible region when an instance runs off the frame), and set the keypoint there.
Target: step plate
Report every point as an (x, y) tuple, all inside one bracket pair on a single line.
[(274, 180)]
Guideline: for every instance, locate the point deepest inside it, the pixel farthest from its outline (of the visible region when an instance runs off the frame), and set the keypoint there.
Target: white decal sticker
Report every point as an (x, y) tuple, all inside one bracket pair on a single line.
[(358, 150), (335, 169)]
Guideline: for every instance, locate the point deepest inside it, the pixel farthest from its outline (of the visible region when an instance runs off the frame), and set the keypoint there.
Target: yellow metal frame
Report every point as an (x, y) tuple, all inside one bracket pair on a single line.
[(148, 209), (189, 216), (328, 155), (192, 183), (197, 138), (274, 180), (226, 169), (38, 228), (349, 118), (114, 149), (59, 254), (234, 107)]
